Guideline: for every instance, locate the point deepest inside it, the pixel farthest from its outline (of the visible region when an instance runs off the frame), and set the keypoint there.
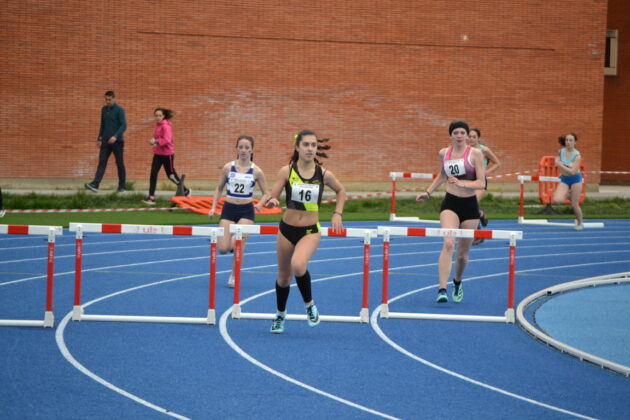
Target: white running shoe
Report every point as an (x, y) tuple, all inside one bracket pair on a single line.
[(578, 227), (230, 282)]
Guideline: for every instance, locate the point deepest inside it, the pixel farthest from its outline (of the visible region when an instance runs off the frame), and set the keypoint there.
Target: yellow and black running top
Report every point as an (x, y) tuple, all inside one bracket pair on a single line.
[(304, 194)]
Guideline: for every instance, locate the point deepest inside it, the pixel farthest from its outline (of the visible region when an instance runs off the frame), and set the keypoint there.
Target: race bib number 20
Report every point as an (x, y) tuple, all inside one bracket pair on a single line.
[(454, 167)]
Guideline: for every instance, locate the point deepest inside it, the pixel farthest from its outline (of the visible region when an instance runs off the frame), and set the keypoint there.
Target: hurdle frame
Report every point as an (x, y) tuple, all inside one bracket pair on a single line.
[(238, 231), (521, 212), (411, 175), (78, 313), (52, 232), (388, 231)]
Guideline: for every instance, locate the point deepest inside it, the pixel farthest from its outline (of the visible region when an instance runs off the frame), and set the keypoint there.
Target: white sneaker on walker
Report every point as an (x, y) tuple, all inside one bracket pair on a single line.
[(579, 227), (230, 282)]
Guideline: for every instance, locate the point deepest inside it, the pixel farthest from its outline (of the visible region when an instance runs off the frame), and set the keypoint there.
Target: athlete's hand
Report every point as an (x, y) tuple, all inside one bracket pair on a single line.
[(211, 213), (422, 197), (336, 223), (271, 203)]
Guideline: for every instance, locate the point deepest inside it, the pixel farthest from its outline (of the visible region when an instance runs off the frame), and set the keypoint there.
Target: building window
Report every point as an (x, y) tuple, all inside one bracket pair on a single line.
[(610, 60)]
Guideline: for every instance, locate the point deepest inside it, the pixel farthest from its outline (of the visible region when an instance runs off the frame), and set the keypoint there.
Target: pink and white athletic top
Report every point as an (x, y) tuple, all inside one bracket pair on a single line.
[(461, 168)]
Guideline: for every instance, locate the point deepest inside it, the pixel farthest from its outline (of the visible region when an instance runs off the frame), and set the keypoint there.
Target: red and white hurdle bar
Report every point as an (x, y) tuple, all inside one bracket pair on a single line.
[(521, 205), (52, 232), (26, 211), (239, 230), (78, 312), (410, 175), (388, 231)]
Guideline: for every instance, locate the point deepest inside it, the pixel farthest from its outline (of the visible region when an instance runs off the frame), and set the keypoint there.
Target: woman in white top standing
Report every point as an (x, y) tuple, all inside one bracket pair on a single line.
[(240, 176), (461, 167)]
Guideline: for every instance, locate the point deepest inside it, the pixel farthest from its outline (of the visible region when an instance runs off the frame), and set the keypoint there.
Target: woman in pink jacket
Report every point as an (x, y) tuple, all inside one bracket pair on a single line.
[(163, 152)]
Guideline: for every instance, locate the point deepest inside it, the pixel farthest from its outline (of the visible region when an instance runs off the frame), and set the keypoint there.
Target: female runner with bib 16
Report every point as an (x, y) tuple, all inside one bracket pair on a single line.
[(303, 180), (240, 176), (461, 167)]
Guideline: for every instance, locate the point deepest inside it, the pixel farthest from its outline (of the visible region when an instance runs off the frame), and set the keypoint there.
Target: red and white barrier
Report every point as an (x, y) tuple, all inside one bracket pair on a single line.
[(239, 230), (52, 232), (22, 211), (407, 175), (388, 231), (78, 312), (521, 205)]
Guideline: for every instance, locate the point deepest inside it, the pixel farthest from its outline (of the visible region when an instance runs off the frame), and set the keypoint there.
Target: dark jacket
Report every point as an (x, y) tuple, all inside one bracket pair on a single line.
[(113, 123)]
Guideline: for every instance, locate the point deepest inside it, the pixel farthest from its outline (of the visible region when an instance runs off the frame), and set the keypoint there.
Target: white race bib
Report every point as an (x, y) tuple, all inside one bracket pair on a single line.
[(454, 167), (305, 193), (241, 184)]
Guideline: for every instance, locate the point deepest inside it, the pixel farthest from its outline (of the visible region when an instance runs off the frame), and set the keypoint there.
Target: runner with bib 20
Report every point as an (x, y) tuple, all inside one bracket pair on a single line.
[(461, 167)]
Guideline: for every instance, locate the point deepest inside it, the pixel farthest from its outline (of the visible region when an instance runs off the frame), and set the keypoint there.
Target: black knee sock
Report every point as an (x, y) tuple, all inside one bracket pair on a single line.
[(304, 284), (282, 295)]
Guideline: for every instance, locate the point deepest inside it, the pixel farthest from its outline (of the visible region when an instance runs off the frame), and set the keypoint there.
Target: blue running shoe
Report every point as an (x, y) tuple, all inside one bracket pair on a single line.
[(458, 292), (442, 297), (277, 326), (312, 314)]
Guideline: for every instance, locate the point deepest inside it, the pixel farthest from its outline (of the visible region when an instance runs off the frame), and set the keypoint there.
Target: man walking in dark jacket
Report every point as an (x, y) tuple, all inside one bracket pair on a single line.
[(110, 136)]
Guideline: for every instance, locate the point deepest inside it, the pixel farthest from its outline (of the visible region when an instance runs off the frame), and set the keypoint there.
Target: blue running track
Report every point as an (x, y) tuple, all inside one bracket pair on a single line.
[(236, 369)]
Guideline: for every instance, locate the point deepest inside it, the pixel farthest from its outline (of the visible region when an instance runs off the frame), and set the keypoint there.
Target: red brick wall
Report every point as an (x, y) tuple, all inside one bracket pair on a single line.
[(616, 147), (381, 78)]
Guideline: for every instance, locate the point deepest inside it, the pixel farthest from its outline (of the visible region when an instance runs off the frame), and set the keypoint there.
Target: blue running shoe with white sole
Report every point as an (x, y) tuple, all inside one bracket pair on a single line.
[(277, 326), (458, 292), (442, 297), (312, 314)]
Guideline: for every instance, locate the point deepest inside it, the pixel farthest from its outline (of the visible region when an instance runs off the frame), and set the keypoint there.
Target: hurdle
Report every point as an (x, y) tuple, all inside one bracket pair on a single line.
[(52, 232), (239, 230), (521, 213), (78, 313), (388, 231), (398, 175)]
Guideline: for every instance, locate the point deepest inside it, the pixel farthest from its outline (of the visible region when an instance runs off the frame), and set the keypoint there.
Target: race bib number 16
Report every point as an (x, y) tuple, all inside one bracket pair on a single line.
[(305, 193)]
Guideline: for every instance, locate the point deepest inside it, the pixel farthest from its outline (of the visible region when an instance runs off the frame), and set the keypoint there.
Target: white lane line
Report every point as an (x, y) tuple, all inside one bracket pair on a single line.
[(228, 339), (59, 338), (59, 335), (65, 352), (374, 323)]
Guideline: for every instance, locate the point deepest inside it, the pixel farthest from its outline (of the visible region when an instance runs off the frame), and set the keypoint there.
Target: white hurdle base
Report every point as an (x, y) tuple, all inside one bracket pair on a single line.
[(78, 315), (363, 318), (394, 218), (48, 321), (507, 318), (546, 222)]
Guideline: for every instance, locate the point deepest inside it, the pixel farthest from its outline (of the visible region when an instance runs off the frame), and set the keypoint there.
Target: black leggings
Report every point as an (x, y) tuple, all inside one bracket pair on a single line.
[(158, 162)]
